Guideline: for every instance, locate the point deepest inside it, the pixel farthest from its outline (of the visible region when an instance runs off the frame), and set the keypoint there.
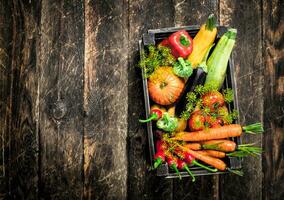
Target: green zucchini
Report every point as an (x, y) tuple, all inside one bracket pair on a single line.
[(218, 60)]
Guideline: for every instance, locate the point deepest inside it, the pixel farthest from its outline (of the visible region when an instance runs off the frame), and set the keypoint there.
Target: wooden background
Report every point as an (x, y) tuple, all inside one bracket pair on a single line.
[(71, 97)]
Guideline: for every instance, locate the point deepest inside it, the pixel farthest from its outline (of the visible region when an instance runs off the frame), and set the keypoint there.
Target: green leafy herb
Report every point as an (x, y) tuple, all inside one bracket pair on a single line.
[(206, 110), (191, 97), (201, 89), (155, 57), (228, 119), (228, 95)]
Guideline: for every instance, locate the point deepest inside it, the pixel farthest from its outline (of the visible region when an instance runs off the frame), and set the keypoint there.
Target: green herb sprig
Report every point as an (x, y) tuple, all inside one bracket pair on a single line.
[(154, 57)]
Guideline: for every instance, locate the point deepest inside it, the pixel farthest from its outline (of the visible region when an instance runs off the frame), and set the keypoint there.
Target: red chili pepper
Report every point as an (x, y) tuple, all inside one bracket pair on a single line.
[(190, 159), (180, 43), (159, 157), (156, 114), (172, 162), (183, 166)]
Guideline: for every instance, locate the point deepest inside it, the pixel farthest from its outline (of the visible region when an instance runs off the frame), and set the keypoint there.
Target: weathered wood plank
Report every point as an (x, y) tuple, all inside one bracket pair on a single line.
[(60, 65), (192, 12), (247, 55), (142, 184), (105, 100), (273, 140), (20, 122), (5, 85), (195, 13)]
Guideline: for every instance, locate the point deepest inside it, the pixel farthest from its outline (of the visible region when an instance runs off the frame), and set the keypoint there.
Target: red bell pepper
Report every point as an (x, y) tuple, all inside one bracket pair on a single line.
[(180, 43)]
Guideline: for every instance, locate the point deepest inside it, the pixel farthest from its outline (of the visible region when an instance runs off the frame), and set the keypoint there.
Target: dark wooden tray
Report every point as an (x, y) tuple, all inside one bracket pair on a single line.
[(153, 37)]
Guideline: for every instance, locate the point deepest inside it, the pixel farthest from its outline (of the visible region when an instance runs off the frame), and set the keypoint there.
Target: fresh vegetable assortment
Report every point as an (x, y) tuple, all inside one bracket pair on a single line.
[(202, 134)]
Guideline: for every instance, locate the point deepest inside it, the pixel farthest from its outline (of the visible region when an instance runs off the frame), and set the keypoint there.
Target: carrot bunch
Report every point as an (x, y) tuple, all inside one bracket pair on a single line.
[(209, 146)]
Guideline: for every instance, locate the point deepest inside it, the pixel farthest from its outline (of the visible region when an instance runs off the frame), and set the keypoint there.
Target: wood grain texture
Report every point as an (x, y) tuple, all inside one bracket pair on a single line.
[(5, 85), (60, 66), (273, 141), (142, 184), (105, 100), (247, 55), (190, 12), (71, 97), (21, 117)]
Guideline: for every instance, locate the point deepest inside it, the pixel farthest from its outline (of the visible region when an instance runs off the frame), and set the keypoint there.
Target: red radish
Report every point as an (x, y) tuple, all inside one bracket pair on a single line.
[(196, 121), (183, 166), (213, 100)]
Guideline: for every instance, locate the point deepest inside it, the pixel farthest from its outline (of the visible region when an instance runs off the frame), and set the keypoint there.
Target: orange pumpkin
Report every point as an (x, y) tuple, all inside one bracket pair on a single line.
[(164, 86)]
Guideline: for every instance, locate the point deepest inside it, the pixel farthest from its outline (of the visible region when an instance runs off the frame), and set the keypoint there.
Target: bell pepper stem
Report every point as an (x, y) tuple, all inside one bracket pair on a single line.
[(190, 173), (210, 23), (154, 116), (184, 40), (176, 169), (203, 166), (157, 163)]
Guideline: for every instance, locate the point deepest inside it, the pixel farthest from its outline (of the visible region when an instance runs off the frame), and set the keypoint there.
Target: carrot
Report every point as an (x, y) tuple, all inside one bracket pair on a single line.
[(193, 146), (214, 162), (231, 130), (213, 153), (220, 145)]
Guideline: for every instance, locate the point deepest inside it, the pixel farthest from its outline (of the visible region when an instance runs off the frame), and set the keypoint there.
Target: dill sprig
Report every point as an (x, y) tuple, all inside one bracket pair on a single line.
[(154, 57), (228, 95), (228, 119)]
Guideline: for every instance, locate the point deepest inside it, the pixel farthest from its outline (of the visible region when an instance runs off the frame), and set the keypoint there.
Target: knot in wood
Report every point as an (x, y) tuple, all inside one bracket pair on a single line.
[(59, 110)]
